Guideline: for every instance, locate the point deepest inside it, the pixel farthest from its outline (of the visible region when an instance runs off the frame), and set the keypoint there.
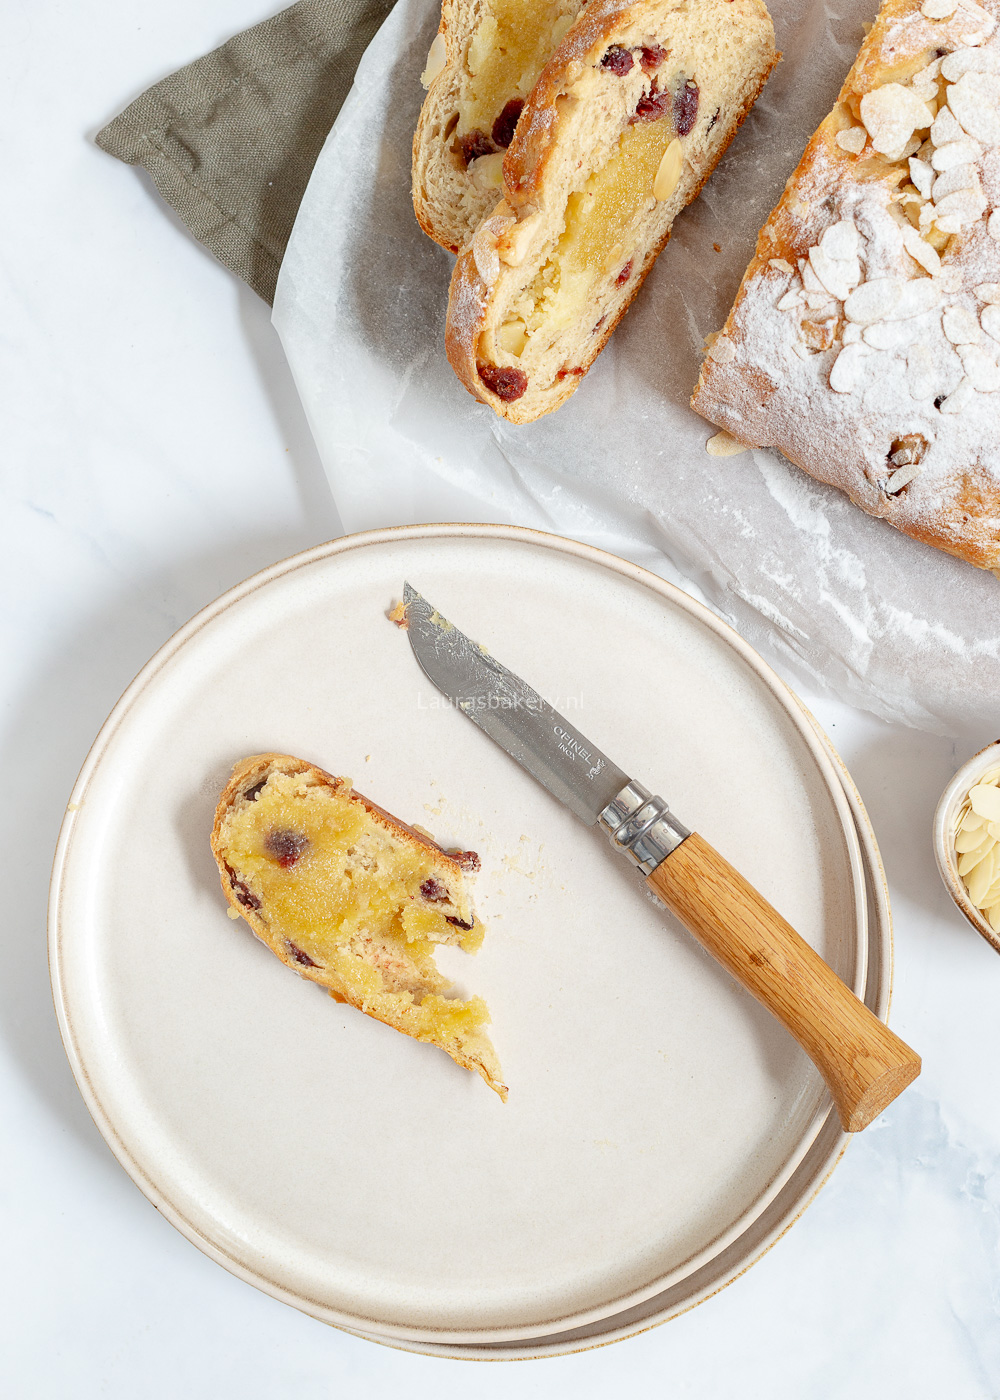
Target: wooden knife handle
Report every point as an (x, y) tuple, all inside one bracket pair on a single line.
[(863, 1063)]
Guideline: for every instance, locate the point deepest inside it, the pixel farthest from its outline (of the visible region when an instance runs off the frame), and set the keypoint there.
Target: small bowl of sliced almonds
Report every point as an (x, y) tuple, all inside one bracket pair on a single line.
[(967, 841)]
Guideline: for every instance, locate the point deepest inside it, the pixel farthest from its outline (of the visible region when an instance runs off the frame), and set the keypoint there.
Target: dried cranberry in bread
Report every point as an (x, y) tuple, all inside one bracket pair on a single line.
[(353, 899), (622, 129), (864, 343), (483, 63)]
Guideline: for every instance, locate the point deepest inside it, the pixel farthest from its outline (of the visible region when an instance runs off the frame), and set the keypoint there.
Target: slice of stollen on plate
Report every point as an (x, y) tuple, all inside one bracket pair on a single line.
[(625, 124), (864, 343)]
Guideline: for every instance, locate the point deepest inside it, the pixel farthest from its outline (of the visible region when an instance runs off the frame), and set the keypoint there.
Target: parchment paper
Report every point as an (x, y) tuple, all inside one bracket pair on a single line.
[(836, 597)]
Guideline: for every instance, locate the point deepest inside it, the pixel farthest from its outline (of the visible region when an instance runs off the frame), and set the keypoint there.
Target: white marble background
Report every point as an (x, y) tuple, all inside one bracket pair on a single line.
[(154, 453)]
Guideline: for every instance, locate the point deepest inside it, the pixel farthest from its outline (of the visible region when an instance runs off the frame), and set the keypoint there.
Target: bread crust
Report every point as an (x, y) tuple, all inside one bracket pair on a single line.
[(835, 440), (446, 201), (477, 1054), (539, 171)]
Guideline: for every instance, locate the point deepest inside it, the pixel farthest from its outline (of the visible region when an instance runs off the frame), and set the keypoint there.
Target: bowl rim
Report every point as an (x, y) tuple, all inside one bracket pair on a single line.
[(944, 836)]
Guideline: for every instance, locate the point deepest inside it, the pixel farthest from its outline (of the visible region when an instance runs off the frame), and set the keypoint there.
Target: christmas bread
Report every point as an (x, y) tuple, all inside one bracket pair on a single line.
[(626, 122), (864, 343), (484, 61), (352, 899)]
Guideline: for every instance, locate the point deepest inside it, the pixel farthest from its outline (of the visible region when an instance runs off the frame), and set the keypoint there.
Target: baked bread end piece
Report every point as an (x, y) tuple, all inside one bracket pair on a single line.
[(624, 126), (353, 899), (864, 342)]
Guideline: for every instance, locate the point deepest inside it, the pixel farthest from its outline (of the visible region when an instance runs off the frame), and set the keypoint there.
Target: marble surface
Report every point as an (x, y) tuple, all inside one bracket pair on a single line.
[(154, 453)]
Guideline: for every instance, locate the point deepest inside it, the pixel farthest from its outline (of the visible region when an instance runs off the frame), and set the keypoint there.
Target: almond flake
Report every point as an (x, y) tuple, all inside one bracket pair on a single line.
[(847, 368), (890, 335), (437, 55), (989, 292), (891, 114), (780, 264), (853, 139), (975, 99), (902, 478), (938, 9), (873, 300), (791, 300), (955, 153), (922, 175), (967, 206), (959, 177), (981, 368), (840, 241), (919, 250), (993, 225), (837, 275), (959, 397), (920, 372), (960, 326), (723, 444), (723, 352), (962, 61), (917, 297), (946, 128), (990, 321)]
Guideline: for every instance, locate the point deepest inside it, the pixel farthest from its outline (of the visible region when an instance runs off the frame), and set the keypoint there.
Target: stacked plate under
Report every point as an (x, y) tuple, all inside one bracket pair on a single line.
[(661, 1129)]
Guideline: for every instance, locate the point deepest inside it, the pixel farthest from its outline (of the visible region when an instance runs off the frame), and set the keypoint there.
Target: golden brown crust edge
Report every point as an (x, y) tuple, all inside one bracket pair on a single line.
[(245, 775), (974, 495), (529, 153)]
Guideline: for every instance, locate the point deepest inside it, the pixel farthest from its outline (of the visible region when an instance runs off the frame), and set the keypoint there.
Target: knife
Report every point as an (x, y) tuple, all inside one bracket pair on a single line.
[(863, 1063)]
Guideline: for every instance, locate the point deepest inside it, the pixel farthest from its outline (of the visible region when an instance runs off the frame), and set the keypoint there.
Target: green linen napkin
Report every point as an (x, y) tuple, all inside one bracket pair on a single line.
[(230, 141)]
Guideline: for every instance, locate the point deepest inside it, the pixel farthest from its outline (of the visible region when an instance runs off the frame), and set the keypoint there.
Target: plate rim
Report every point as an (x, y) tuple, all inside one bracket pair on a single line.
[(388, 1332), (878, 999)]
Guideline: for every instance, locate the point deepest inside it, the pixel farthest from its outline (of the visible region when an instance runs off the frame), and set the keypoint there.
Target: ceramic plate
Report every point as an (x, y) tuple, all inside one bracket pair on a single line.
[(656, 1112)]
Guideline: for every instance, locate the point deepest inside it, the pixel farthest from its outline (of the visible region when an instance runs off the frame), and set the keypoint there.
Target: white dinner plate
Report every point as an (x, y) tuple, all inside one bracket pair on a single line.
[(656, 1112)]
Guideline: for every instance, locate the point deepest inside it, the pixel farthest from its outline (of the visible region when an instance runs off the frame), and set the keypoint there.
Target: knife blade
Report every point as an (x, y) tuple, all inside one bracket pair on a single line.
[(864, 1064)]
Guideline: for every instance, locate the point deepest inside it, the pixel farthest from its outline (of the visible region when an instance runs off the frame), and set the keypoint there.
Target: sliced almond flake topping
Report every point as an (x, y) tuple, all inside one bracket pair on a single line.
[(975, 99), (873, 300), (723, 351), (723, 444), (840, 241), (959, 177), (938, 9), (960, 326), (917, 297), (961, 61), (891, 335), (949, 279), (853, 139), (946, 128), (962, 207), (780, 264), (920, 372), (791, 300), (981, 368), (922, 175), (993, 225), (851, 334), (959, 397), (955, 153), (848, 368), (988, 292), (990, 321), (920, 251), (891, 114), (902, 478)]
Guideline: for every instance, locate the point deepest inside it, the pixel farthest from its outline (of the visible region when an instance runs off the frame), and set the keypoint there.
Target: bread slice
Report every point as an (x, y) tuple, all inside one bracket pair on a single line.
[(864, 343), (353, 899), (483, 63), (620, 132)]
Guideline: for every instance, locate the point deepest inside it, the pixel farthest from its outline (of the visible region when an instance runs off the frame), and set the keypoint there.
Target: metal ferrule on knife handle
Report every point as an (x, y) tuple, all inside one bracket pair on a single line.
[(642, 826)]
